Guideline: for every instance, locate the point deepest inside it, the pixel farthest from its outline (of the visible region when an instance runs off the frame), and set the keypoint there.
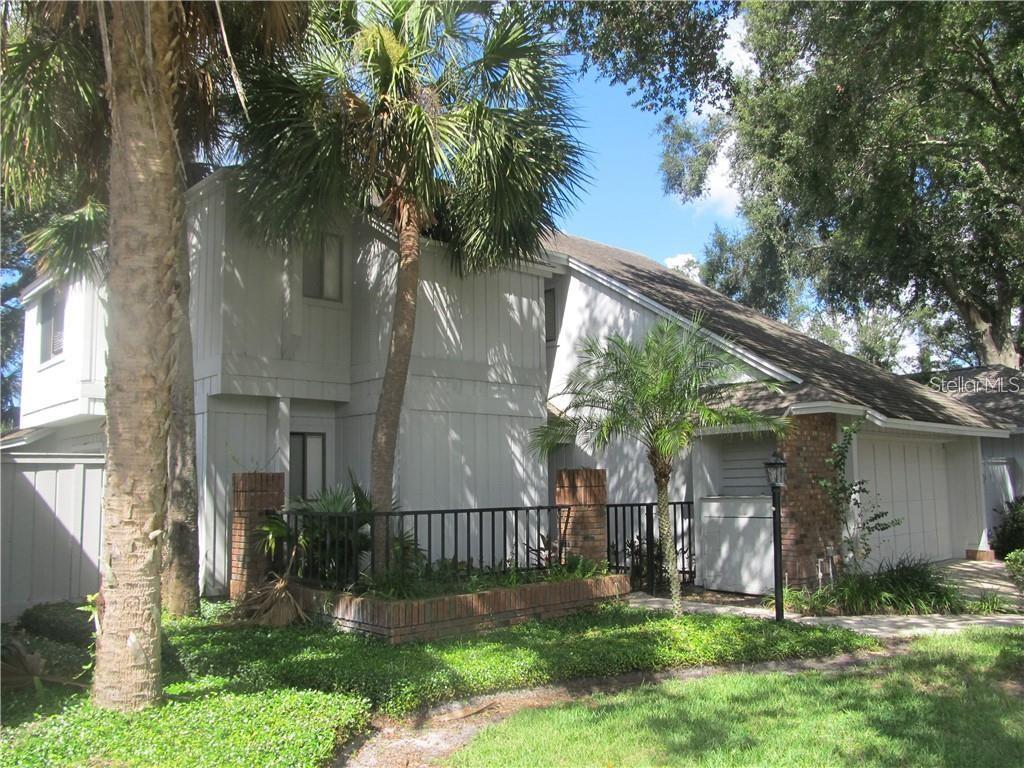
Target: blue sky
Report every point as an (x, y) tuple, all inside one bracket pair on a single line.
[(624, 205)]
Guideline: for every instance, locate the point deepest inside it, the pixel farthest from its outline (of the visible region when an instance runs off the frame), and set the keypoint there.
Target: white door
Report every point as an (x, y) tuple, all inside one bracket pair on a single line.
[(907, 478)]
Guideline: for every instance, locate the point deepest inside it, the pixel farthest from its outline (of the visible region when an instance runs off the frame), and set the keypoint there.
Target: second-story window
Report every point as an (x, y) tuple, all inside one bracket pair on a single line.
[(322, 270), (550, 318), (51, 324)]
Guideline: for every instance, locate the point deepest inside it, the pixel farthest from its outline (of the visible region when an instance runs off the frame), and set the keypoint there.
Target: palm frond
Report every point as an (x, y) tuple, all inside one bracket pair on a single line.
[(73, 245)]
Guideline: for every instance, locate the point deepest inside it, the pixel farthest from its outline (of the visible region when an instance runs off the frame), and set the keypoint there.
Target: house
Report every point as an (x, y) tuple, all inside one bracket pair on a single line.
[(998, 392), (289, 349)]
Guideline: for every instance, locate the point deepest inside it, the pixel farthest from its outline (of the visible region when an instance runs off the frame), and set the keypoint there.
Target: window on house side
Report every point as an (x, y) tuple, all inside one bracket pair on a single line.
[(306, 460), (322, 271), (550, 319), (51, 325)]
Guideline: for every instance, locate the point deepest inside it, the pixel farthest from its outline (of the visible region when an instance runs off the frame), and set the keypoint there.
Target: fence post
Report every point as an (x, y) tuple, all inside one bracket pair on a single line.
[(652, 563), (585, 492), (255, 494)]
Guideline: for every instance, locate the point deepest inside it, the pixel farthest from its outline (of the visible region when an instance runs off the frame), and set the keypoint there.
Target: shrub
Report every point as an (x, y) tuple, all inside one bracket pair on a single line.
[(909, 585), (1009, 534), (1015, 567), (60, 622)]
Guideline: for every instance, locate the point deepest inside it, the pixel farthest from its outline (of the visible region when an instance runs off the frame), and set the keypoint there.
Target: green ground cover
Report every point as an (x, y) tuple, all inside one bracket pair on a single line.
[(241, 696)]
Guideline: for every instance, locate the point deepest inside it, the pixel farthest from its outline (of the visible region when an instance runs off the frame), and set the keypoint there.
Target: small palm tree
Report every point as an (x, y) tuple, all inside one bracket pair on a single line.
[(659, 392), (447, 118)]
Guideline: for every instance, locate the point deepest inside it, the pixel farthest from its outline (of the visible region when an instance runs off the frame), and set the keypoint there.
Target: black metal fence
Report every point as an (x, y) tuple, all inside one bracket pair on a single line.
[(633, 542), (334, 549)]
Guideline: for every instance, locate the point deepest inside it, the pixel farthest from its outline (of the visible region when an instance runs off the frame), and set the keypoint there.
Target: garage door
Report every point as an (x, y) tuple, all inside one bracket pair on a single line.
[(907, 478)]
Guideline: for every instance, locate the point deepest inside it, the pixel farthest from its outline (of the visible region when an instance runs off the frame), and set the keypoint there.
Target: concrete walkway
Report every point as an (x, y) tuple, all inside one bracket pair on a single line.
[(882, 627), (982, 577)]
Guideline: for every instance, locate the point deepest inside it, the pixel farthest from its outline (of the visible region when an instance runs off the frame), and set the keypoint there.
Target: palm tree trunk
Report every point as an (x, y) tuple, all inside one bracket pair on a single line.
[(396, 372), (180, 578), (662, 476), (143, 243)]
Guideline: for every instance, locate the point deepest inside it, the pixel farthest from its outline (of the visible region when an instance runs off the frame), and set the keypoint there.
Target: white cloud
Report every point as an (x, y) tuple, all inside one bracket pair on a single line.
[(686, 263)]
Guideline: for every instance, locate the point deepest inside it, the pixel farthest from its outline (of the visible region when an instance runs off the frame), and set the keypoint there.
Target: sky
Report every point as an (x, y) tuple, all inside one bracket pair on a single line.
[(624, 204)]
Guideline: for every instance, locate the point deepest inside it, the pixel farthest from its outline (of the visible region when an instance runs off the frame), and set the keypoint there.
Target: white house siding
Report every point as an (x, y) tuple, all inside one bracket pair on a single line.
[(69, 385), (50, 528), (475, 385), (1003, 474), (931, 483), (585, 309)]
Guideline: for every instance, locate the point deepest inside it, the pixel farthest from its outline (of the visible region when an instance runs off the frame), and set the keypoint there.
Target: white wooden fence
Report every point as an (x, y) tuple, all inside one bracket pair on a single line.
[(50, 514)]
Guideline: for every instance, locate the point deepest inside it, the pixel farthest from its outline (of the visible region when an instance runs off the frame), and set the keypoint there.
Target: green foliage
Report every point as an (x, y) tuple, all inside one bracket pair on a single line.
[(907, 586), (871, 146), (988, 603), (1015, 567), (950, 700), (61, 622), (210, 721), (658, 392), (456, 114), (1009, 534), (852, 504), (264, 696), (669, 53), (449, 577)]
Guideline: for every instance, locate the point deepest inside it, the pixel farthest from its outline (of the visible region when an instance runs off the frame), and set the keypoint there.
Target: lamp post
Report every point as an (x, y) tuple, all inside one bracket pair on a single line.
[(776, 469)]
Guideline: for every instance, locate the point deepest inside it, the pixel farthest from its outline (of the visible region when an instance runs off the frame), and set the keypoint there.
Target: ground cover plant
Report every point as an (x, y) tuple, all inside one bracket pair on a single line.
[(906, 586), (952, 700), (284, 696)]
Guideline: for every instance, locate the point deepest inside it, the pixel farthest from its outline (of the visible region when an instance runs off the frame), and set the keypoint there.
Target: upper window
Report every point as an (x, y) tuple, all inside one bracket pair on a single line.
[(51, 324), (550, 319), (321, 270)]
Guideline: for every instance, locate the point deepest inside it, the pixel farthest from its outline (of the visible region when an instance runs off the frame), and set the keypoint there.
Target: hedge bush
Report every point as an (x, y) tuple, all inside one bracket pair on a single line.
[(1009, 534), (60, 622), (1015, 567)]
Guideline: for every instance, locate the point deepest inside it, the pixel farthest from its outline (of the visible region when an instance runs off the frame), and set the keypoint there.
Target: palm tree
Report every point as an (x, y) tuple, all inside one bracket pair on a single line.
[(659, 392), (446, 117), (139, 50), (56, 141)]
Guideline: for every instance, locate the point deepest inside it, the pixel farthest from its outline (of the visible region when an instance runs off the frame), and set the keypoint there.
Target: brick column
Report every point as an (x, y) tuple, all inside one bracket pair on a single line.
[(808, 524), (584, 525), (254, 494)]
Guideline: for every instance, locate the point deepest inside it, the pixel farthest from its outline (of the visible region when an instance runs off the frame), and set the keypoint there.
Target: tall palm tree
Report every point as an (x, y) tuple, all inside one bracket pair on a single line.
[(140, 50), (451, 117), (660, 393), (56, 142)]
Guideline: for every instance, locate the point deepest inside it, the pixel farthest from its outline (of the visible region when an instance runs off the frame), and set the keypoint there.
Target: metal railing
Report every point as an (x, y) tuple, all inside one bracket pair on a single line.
[(633, 542), (335, 549)]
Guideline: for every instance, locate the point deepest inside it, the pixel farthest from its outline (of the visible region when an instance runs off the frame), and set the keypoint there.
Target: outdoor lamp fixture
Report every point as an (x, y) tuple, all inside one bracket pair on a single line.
[(776, 469)]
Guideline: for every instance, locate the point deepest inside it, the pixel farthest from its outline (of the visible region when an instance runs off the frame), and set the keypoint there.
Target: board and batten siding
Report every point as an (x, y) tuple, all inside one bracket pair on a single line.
[(585, 308), (475, 387), (50, 528)]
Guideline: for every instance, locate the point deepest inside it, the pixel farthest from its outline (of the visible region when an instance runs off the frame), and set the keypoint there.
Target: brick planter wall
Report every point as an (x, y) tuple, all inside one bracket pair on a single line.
[(585, 527), (253, 495), (808, 524), (401, 621)]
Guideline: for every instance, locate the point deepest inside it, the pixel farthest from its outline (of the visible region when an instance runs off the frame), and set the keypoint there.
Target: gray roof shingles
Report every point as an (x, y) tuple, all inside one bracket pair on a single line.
[(826, 373)]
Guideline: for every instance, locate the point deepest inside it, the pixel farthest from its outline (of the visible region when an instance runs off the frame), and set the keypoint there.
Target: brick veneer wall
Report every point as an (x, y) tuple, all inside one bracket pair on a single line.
[(584, 525), (808, 524), (401, 621), (253, 495)]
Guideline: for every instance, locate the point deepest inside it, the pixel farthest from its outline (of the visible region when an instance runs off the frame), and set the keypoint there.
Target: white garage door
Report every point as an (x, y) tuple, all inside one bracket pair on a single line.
[(907, 478)]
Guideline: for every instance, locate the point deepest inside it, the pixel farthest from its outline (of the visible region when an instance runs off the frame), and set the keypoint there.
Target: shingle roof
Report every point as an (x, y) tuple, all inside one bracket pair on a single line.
[(995, 390), (826, 373)]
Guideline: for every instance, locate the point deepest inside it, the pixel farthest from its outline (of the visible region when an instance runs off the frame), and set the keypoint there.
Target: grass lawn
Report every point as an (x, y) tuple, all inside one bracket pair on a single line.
[(952, 701), (244, 696)]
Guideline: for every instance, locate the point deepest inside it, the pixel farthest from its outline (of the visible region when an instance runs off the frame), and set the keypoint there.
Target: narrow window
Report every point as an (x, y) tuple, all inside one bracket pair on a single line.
[(306, 464), (51, 325), (322, 270), (550, 319)]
